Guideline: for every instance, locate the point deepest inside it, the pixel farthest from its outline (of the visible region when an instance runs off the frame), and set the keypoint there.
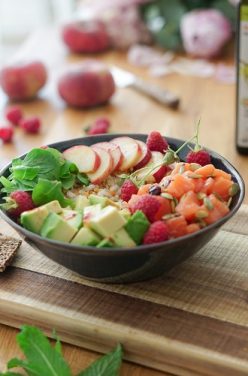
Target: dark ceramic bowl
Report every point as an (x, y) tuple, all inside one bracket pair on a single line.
[(121, 265)]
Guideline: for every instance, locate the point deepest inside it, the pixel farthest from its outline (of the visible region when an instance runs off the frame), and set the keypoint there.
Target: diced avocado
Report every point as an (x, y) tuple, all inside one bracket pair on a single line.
[(107, 221), (137, 225), (56, 228), (105, 243), (125, 213), (53, 207), (91, 211), (33, 219), (81, 202), (122, 239), (86, 237), (94, 200), (73, 217)]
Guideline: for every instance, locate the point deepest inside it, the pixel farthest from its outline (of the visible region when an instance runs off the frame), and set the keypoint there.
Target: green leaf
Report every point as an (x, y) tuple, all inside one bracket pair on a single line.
[(107, 365), (24, 172), (137, 225), (46, 191), (9, 373), (57, 155), (83, 178), (45, 161), (68, 182), (41, 358), (58, 346)]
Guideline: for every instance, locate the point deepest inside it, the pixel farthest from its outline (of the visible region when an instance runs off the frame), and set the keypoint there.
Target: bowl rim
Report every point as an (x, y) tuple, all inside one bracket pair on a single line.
[(138, 248)]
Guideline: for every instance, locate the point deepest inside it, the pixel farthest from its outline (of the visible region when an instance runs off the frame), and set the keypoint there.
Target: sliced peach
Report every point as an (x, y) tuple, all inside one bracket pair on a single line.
[(84, 157), (105, 167)]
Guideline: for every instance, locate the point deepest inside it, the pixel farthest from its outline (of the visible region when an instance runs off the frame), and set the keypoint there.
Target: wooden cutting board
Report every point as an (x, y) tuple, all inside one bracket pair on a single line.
[(192, 321)]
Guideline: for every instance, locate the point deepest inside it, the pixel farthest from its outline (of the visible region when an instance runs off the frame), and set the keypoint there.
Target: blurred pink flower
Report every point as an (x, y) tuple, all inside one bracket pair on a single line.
[(205, 32)]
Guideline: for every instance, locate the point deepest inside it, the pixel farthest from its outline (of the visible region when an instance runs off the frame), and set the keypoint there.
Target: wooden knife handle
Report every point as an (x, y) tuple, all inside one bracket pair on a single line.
[(161, 95)]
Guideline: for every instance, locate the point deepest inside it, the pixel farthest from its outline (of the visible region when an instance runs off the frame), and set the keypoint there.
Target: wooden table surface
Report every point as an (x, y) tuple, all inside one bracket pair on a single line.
[(128, 111)]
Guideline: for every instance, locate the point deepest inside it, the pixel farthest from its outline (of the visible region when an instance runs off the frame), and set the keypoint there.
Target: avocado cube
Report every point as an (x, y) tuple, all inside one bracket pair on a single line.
[(105, 243), (122, 239), (81, 202), (85, 237), (56, 228), (125, 213), (107, 221), (137, 225), (33, 219), (91, 211), (74, 218), (94, 200)]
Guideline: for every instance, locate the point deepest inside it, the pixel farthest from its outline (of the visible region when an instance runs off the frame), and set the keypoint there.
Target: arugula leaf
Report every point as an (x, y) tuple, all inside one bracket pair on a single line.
[(24, 172), (46, 191), (48, 165), (107, 365), (41, 358), (83, 178)]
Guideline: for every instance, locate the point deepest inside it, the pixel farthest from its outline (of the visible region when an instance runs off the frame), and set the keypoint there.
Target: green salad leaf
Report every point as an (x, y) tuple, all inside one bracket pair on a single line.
[(43, 359), (108, 365), (47, 190), (49, 164)]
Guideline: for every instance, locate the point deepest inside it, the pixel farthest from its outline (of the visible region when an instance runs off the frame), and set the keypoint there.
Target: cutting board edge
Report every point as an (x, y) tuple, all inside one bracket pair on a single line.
[(207, 362)]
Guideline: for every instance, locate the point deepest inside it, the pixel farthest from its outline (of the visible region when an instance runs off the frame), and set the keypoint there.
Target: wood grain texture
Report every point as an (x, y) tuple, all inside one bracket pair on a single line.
[(219, 289), (192, 320)]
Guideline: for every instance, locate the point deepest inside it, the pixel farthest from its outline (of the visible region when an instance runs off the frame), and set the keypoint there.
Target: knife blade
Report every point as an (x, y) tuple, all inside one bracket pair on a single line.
[(125, 78)]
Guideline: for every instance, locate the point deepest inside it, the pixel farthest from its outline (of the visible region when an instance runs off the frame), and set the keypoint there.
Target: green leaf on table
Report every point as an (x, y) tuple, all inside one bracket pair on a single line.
[(41, 358), (9, 373), (107, 365), (47, 190)]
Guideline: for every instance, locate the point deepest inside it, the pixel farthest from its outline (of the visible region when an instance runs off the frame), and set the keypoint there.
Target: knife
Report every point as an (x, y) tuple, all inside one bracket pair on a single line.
[(124, 78)]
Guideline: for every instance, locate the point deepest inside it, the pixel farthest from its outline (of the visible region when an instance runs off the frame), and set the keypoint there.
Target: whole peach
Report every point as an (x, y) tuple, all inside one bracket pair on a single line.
[(22, 81), (87, 84), (86, 36)]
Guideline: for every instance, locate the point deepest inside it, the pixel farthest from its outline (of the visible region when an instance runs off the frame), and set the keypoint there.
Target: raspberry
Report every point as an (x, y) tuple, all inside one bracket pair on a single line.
[(18, 202), (156, 142), (6, 134), (148, 204), (128, 189), (14, 114), (201, 157), (100, 126), (157, 232), (31, 125)]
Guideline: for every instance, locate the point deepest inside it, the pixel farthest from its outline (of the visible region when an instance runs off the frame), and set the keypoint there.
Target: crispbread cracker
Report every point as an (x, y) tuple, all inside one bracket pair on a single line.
[(8, 250)]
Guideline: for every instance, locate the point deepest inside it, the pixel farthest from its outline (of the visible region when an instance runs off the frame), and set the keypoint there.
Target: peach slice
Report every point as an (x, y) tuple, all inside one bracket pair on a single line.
[(115, 152), (85, 158), (145, 156), (105, 168), (131, 151)]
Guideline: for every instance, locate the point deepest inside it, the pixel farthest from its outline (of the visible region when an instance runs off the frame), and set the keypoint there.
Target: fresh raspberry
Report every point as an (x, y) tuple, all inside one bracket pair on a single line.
[(14, 114), (18, 202), (128, 189), (31, 125), (100, 126), (157, 232), (201, 157), (156, 142), (148, 204), (6, 134)]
